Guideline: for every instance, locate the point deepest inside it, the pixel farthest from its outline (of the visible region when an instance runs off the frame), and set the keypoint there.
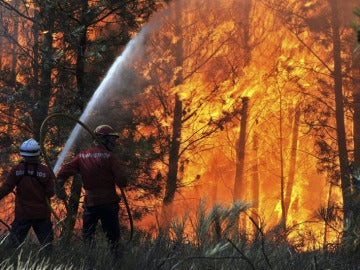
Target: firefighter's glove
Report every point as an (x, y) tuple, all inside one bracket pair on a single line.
[(60, 192)]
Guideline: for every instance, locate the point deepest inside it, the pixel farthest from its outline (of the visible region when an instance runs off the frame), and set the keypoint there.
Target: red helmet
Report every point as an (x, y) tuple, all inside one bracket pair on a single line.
[(105, 130)]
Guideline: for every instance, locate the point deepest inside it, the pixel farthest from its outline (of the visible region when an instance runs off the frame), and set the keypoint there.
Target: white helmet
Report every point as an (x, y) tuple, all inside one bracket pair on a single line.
[(30, 148)]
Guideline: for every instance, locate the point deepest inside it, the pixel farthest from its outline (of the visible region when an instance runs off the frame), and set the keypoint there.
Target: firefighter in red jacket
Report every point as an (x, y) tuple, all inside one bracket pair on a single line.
[(101, 171), (34, 188)]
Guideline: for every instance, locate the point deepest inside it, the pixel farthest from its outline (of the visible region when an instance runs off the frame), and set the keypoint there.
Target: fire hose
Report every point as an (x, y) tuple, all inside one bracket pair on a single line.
[(47, 161)]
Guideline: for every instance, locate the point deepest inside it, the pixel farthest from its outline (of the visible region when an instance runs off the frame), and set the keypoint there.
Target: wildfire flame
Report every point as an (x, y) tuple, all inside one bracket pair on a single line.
[(215, 55)]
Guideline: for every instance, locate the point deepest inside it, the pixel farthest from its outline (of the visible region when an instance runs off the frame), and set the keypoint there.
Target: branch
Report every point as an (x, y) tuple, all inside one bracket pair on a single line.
[(262, 241), (12, 8), (5, 224), (242, 254)]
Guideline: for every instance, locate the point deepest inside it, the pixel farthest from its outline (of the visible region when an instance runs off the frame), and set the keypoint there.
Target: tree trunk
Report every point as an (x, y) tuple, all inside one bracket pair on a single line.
[(44, 89), (255, 187), (73, 206), (326, 223), (244, 28), (292, 165), (240, 185), (80, 83), (246, 39), (282, 176), (34, 84), (339, 103), (14, 58), (171, 182), (255, 172), (80, 58), (172, 179)]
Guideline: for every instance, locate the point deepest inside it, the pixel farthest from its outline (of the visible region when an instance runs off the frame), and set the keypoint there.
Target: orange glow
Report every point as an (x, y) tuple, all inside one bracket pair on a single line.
[(280, 77), (213, 59)]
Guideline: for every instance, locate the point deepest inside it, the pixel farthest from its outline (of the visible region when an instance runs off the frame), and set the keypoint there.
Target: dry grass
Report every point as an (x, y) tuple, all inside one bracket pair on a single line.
[(217, 244)]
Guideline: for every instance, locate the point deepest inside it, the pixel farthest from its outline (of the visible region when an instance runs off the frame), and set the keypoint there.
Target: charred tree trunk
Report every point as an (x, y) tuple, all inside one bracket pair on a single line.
[(326, 223), (171, 182), (14, 55), (172, 176), (73, 207), (80, 58), (76, 185), (255, 182), (41, 107), (34, 83), (240, 185), (340, 119), (255, 172), (282, 164), (244, 28), (13, 82), (174, 151), (246, 39), (292, 165)]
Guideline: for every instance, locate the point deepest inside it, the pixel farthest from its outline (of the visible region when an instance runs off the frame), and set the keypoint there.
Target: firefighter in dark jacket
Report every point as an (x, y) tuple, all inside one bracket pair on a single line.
[(34, 188), (100, 171)]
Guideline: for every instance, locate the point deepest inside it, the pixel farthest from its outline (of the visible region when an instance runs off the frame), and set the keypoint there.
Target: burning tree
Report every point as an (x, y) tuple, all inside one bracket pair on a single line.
[(322, 36), (226, 101), (176, 96), (282, 90)]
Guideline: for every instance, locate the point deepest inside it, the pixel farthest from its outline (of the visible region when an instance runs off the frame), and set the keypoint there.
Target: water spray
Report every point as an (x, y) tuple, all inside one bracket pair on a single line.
[(113, 81), (47, 161)]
